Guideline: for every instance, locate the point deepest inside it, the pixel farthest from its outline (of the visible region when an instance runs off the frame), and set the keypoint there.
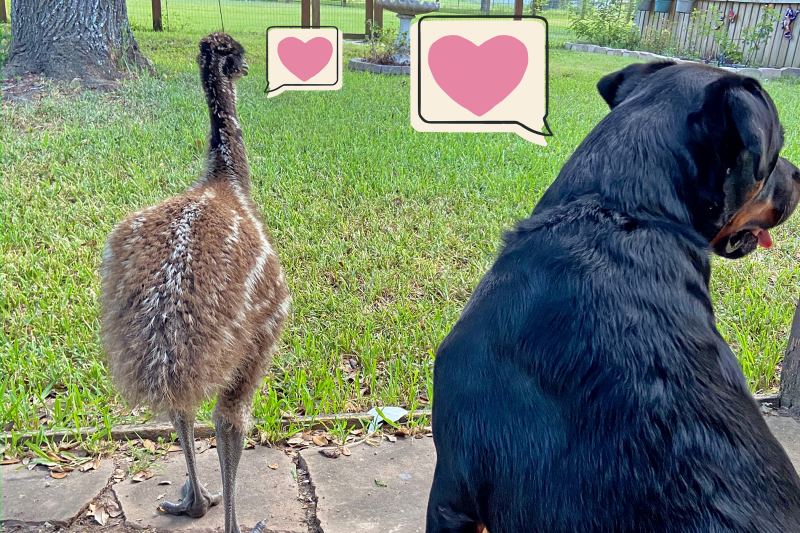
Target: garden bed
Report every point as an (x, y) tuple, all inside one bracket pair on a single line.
[(765, 73)]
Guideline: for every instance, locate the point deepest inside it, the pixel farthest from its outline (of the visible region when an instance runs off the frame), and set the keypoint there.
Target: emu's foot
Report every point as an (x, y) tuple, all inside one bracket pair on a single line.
[(193, 504), (260, 527)]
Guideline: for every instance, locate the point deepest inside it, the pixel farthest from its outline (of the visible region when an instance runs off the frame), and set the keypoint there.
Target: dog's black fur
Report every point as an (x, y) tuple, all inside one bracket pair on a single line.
[(585, 387)]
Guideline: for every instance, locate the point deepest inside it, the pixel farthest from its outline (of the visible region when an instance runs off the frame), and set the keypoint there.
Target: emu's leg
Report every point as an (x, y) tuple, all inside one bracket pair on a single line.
[(196, 499), (231, 417)]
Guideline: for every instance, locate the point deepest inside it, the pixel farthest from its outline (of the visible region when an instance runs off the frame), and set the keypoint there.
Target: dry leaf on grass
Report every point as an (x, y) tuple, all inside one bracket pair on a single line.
[(391, 438), (319, 440), (250, 444), (345, 451), (149, 445), (119, 474), (142, 475), (10, 461), (58, 475), (174, 448)]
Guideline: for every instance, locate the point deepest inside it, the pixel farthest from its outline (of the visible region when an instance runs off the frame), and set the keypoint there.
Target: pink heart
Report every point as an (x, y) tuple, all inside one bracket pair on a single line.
[(478, 77), (305, 60)]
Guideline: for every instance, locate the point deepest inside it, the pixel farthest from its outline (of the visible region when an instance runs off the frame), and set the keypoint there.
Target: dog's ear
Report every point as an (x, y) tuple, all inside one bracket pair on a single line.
[(615, 87), (753, 112), (743, 123)]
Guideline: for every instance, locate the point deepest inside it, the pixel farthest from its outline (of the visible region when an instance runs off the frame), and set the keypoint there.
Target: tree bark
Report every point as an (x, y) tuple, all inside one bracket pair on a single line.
[(790, 371), (65, 39)]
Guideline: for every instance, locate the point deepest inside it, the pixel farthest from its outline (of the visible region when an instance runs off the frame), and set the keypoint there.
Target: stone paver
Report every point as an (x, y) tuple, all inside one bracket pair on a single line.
[(260, 493), (787, 431), (350, 501), (33, 496)]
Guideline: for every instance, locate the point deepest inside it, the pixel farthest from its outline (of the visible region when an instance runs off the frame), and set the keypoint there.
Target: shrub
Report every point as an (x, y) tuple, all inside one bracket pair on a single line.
[(605, 23)]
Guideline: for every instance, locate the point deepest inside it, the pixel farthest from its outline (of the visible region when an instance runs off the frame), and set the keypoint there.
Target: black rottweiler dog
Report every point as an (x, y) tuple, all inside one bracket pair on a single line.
[(585, 387)]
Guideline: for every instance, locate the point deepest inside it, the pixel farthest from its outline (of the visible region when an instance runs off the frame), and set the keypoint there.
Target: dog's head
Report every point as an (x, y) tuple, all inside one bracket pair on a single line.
[(738, 188)]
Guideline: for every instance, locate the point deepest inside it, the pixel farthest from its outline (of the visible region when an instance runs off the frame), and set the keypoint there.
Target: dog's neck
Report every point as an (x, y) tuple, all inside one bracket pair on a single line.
[(612, 170)]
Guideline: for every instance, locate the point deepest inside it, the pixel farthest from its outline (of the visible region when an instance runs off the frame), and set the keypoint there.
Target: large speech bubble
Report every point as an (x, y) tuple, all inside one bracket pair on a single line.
[(303, 59), (485, 75)]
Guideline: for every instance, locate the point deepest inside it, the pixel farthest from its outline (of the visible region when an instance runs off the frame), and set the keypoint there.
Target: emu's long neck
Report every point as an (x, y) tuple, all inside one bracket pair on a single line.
[(227, 157)]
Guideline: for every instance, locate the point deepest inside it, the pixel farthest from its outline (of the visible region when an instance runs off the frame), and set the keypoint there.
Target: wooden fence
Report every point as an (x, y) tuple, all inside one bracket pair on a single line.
[(777, 51)]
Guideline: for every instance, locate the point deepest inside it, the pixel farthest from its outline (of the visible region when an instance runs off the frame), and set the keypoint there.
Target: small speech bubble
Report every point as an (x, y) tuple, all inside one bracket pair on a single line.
[(488, 75), (303, 59)]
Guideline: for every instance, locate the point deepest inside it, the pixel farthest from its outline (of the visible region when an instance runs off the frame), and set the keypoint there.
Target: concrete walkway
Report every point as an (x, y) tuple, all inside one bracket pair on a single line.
[(374, 489)]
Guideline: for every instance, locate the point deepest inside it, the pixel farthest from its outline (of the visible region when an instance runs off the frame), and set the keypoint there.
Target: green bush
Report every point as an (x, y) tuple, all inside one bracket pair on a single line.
[(605, 23)]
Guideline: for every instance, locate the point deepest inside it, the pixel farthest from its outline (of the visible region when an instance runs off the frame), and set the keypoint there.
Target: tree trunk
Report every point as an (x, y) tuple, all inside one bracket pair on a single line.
[(790, 371), (65, 39)]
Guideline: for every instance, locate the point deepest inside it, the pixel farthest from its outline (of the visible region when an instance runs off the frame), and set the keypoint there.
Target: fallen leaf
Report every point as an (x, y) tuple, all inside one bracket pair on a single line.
[(165, 482), (142, 475), (308, 437), (90, 465), (391, 438), (249, 445), (213, 442), (100, 515), (149, 445), (380, 483), (332, 453), (56, 458), (346, 451), (296, 441), (402, 431), (26, 460), (9, 461), (174, 448), (274, 466), (319, 440), (119, 474), (161, 497), (58, 475)]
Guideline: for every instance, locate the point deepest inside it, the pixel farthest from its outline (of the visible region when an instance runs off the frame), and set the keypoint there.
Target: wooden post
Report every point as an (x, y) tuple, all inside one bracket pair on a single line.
[(305, 13), (368, 18), (378, 17), (3, 15), (315, 13), (518, 7), (790, 371), (156, 15)]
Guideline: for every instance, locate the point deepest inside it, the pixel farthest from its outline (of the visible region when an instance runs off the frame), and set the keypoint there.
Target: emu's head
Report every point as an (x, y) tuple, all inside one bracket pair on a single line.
[(221, 56)]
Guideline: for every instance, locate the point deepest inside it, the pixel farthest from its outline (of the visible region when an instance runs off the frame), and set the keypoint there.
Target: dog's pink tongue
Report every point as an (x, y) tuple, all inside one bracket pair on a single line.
[(764, 238)]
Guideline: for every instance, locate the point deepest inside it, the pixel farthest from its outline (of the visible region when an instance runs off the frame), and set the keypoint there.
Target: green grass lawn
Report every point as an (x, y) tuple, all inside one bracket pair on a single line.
[(383, 231), (200, 17)]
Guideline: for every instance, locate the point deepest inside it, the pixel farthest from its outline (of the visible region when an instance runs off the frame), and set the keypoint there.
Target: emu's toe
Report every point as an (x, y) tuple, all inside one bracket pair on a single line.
[(194, 503), (260, 527)]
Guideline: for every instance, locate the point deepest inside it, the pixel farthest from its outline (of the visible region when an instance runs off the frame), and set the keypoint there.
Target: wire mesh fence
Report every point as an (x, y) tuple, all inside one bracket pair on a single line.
[(205, 16)]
